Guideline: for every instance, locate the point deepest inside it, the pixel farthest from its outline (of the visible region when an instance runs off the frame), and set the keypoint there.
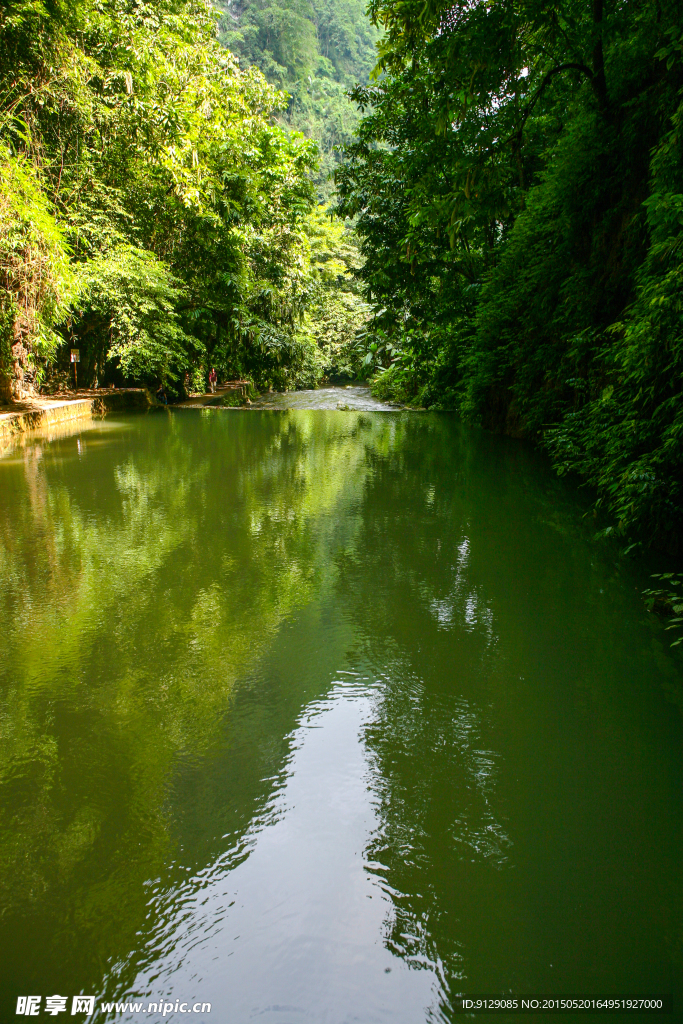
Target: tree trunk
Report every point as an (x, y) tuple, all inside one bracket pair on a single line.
[(599, 82)]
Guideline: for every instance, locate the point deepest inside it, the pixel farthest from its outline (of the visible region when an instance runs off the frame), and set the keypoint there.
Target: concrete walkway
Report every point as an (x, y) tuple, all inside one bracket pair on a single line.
[(232, 389), (41, 414)]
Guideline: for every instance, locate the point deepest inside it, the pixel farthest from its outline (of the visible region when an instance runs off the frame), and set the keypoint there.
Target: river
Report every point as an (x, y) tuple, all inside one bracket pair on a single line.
[(326, 715)]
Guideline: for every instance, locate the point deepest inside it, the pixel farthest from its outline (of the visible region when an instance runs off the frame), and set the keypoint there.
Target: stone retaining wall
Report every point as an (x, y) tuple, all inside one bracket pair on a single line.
[(46, 415)]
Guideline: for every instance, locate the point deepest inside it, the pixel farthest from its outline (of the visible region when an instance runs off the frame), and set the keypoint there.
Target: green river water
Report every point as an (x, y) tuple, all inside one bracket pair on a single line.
[(323, 717)]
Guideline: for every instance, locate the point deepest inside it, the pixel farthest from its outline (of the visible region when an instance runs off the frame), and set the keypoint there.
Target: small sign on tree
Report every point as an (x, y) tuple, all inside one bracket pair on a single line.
[(75, 358)]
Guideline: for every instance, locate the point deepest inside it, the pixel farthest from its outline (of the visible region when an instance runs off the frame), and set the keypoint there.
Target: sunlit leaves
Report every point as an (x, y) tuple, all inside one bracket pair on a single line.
[(160, 160)]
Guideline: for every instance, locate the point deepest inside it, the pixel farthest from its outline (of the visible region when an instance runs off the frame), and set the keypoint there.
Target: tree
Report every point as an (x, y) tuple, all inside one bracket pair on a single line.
[(506, 181), (315, 51), (157, 158)]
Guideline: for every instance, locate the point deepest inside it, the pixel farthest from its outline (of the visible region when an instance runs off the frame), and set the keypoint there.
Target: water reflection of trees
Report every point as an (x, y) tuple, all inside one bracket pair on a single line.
[(143, 574), (482, 595), (426, 623)]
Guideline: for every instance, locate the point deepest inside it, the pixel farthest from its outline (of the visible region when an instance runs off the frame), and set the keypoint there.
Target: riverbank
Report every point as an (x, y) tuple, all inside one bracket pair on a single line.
[(52, 417), (346, 397), (232, 394), (236, 395), (23, 419)]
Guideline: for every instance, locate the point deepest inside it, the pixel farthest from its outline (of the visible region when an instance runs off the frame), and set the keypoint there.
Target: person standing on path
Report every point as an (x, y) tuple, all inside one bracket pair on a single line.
[(213, 377)]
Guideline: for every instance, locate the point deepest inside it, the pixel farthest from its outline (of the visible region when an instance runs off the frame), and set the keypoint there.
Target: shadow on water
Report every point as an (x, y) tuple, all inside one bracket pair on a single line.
[(327, 716)]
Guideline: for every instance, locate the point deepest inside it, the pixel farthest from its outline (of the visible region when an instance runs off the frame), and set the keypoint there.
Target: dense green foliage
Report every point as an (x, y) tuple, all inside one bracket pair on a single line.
[(153, 213), (515, 181), (317, 51), (517, 184), (667, 599), (35, 278)]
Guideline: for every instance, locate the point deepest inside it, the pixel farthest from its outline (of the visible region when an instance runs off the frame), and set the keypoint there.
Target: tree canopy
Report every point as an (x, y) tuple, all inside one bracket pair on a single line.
[(516, 184), (154, 211), (316, 51)]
